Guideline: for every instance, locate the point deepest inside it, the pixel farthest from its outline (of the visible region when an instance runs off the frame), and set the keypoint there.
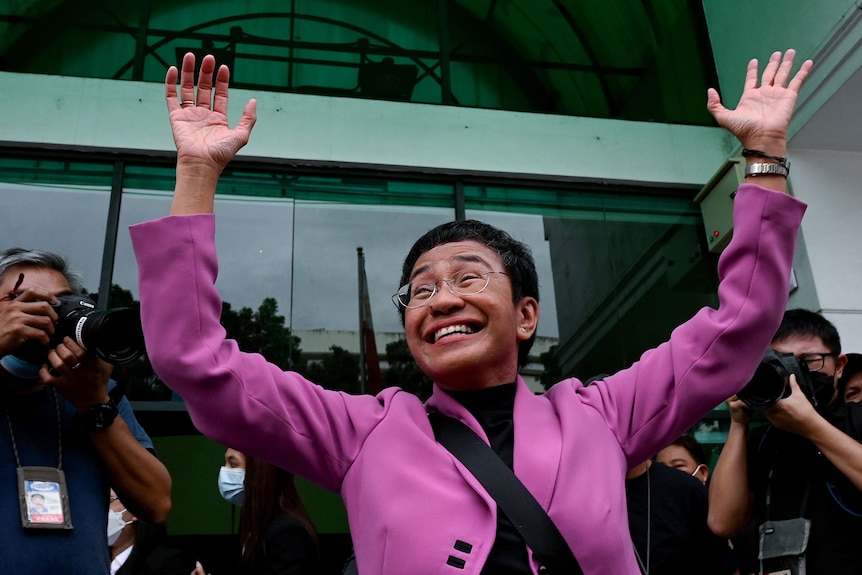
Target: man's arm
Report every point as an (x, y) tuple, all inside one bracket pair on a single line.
[(730, 499), (795, 414), (138, 477), (141, 481)]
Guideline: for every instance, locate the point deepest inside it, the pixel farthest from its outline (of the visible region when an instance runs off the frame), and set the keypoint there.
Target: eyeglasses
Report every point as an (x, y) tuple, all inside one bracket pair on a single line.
[(815, 361), (465, 283)]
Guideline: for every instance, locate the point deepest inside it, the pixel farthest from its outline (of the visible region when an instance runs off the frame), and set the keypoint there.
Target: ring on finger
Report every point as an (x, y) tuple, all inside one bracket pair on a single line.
[(76, 366), (185, 103)]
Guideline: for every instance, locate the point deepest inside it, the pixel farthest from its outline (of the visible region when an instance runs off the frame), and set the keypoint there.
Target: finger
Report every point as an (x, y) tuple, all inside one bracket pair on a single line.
[(35, 294), (74, 347), (248, 118), (771, 68), (205, 81), (187, 79), (751, 75), (65, 357), (799, 78), (794, 385), (221, 90), (783, 72), (171, 89), (713, 101), (55, 365)]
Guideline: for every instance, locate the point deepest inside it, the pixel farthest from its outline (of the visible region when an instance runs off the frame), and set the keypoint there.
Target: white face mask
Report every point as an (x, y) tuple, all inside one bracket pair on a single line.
[(115, 525), (230, 484)]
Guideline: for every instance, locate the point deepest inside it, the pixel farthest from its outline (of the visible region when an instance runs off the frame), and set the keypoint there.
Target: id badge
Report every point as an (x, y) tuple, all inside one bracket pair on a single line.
[(43, 498)]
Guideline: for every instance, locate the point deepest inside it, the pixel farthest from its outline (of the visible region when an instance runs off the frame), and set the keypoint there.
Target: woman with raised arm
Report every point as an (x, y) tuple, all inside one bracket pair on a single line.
[(469, 302)]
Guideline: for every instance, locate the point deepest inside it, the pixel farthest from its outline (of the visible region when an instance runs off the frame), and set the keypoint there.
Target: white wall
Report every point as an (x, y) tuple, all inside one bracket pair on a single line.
[(831, 183)]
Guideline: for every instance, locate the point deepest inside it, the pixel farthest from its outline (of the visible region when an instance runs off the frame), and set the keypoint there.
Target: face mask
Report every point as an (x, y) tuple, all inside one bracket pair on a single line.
[(21, 369), (823, 389), (115, 525), (854, 420), (696, 469), (230, 484)]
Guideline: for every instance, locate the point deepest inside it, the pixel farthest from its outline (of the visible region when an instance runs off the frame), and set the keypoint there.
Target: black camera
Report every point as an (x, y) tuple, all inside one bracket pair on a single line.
[(114, 335), (771, 381)]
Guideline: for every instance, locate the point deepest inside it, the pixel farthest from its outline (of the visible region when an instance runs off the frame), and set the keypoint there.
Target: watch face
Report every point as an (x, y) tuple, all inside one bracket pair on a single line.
[(102, 415)]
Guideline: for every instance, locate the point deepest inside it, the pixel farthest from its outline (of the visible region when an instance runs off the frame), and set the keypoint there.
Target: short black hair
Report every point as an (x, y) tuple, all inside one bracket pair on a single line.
[(516, 256), (694, 448), (803, 322)]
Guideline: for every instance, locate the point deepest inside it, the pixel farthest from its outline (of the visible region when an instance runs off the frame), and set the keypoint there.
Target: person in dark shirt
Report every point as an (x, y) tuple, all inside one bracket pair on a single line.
[(802, 469)]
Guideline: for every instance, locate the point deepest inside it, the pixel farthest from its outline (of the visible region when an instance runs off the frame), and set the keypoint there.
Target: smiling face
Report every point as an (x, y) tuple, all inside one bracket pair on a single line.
[(467, 342)]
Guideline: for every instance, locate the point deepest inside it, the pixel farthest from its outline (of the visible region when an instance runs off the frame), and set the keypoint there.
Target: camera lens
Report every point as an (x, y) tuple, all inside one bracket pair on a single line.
[(114, 335)]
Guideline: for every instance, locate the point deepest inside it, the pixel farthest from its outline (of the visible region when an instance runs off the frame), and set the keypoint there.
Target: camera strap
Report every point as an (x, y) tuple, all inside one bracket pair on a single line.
[(43, 495), (532, 522)]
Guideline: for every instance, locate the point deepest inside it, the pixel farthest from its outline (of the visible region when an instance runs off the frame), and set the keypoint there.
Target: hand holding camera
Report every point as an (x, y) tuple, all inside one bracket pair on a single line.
[(27, 316), (58, 330), (787, 391), (80, 376)]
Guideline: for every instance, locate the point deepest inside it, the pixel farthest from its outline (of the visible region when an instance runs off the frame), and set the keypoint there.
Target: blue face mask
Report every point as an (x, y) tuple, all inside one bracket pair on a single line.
[(20, 369), (230, 484)]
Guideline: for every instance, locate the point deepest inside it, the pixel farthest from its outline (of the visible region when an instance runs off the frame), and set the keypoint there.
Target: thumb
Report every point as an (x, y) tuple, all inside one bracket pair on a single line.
[(713, 103), (794, 385), (249, 116)]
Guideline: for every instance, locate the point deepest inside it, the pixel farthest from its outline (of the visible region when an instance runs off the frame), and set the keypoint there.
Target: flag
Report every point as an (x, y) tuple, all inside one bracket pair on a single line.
[(368, 359)]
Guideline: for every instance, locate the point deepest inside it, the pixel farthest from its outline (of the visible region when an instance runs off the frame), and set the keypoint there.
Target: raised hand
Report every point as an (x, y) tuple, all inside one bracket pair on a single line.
[(199, 122), (763, 114)]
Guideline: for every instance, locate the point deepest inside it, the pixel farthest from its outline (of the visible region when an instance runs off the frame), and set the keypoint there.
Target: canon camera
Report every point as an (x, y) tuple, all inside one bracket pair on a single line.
[(114, 335), (771, 382)]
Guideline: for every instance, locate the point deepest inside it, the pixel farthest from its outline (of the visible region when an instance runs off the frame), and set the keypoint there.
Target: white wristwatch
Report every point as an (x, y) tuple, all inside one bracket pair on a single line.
[(767, 169)]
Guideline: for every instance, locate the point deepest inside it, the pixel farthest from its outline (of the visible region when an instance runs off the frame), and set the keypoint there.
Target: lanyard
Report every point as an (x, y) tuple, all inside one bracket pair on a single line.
[(59, 434)]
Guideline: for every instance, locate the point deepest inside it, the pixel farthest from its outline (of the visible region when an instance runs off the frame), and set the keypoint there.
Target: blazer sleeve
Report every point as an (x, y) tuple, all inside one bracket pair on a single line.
[(713, 355), (237, 399)]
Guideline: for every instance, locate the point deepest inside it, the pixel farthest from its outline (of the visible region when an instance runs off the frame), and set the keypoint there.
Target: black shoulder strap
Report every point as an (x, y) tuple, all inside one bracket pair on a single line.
[(519, 505)]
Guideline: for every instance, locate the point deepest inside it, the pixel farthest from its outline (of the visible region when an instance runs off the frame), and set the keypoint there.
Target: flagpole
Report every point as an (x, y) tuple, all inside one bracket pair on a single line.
[(360, 257)]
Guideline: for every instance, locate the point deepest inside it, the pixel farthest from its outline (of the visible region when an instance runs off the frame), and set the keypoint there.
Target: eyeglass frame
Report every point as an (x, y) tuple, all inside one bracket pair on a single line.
[(806, 357), (448, 281)]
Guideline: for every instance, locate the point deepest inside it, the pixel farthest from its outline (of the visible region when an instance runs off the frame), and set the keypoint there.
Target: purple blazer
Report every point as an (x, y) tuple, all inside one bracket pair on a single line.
[(412, 507)]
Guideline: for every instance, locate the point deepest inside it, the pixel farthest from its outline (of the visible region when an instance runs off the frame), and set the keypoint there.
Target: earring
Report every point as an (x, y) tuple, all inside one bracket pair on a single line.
[(523, 330)]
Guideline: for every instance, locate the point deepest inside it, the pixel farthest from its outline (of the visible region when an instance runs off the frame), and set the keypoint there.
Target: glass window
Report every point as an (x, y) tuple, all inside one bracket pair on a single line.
[(58, 206), (624, 267)]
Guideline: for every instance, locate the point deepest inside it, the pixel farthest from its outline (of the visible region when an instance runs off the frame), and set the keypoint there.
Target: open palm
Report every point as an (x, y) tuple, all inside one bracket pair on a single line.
[(200, 128), (764, 111)]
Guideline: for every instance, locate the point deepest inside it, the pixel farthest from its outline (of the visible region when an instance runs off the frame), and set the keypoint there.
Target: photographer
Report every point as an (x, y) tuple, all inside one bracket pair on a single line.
[(63, 436), (798, 478)]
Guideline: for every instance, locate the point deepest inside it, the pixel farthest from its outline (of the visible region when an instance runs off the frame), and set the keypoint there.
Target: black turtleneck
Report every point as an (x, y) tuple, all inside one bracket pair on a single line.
[(493, 407)]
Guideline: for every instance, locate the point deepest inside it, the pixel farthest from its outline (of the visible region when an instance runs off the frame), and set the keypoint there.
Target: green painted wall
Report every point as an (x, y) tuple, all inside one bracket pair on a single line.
[(741, 29), (94, 113), (825, 31)]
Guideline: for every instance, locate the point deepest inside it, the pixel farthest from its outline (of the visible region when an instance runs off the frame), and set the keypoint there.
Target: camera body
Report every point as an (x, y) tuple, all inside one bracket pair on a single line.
[(114, 335), (771, 381)]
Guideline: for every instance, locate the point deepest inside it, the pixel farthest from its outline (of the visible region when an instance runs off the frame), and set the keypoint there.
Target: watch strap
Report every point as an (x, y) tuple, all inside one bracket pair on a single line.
[(98, 416)]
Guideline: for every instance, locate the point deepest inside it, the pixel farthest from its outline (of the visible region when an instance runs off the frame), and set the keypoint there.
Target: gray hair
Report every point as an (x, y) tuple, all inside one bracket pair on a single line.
[(40, 259)]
